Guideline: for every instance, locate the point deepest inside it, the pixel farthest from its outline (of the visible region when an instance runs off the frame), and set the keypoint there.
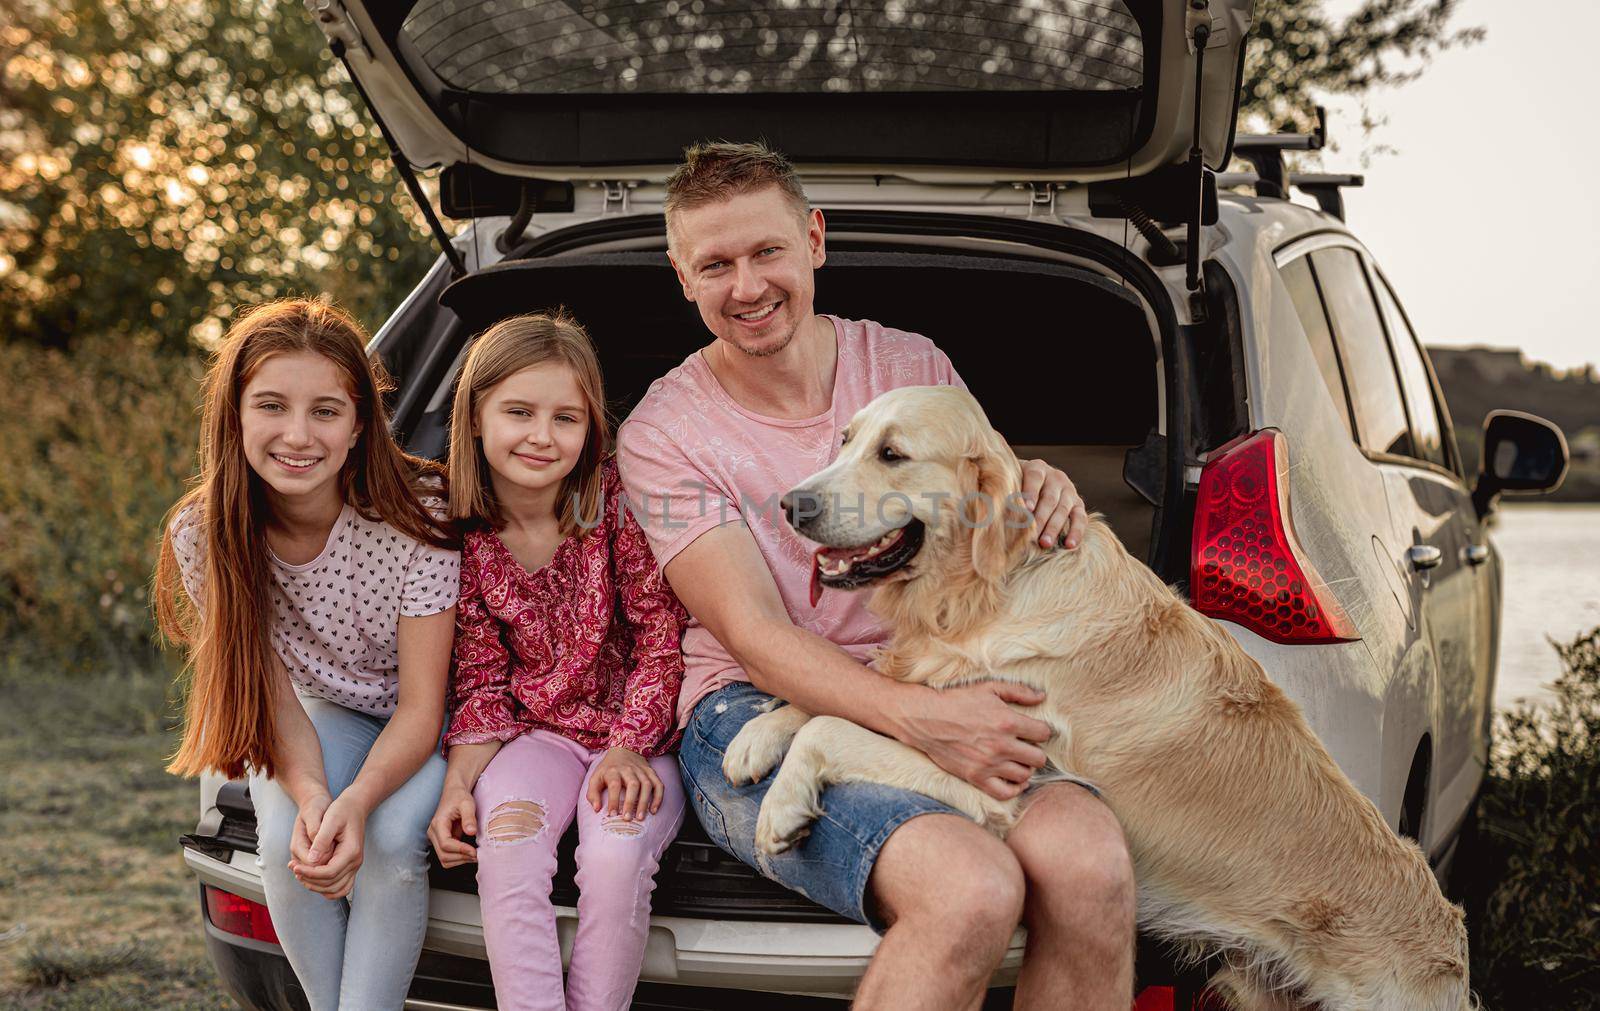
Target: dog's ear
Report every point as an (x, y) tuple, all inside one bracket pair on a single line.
[(998, 524)]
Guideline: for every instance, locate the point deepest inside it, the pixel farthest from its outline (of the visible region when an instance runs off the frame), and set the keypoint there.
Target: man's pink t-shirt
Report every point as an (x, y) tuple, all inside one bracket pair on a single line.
[(693, 459)]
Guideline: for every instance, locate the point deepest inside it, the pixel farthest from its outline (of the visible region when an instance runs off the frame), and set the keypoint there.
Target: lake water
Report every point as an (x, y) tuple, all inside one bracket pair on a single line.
[(1552, 588)]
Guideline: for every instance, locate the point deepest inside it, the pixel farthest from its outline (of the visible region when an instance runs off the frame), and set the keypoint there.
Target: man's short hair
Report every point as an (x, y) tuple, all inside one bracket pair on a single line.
[(717, 170)]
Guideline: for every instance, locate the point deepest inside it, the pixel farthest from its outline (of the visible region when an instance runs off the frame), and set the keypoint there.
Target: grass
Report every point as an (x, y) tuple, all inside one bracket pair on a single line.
[(65, 967), (96, 908)]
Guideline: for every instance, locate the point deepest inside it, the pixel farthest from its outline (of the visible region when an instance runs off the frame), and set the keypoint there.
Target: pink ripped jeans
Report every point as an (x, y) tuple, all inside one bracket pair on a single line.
[(526, 798)]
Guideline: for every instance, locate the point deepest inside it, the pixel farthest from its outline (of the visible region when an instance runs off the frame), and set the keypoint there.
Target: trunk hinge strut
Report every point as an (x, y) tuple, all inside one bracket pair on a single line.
[(1199, 21), (342, 37)]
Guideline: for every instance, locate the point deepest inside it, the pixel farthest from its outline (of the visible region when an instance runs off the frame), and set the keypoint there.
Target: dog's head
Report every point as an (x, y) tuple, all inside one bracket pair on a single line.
[(922, 486)]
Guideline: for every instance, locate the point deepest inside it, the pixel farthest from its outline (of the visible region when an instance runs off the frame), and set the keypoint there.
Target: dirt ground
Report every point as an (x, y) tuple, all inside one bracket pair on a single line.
[(96, 909)]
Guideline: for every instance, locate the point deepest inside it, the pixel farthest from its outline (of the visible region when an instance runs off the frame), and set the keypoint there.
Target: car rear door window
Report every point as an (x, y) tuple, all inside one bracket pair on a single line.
[(671, 47), (1426, 428), (1302, 285), (1363, 350)]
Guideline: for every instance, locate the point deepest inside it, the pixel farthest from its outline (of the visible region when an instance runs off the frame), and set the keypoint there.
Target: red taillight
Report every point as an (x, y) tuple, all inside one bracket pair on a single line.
[(237, 915), (1155, 998), (1247, 566), (1165, 998)]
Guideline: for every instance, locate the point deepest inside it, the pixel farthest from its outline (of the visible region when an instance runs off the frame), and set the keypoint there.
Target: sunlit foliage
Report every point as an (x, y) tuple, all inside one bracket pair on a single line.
[(95, 445), (164, 161)]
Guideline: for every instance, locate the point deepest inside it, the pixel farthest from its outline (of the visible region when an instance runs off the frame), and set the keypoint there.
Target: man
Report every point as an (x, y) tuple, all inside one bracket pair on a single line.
[(705, 456)]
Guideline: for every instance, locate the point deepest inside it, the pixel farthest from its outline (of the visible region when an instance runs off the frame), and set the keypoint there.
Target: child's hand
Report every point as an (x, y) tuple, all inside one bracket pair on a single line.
[(306, 824), (336, 850), (457, 816), (630, 786)]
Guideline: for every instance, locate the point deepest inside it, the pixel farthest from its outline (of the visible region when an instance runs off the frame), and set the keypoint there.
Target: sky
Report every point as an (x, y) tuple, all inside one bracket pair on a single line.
[(1486, 217)]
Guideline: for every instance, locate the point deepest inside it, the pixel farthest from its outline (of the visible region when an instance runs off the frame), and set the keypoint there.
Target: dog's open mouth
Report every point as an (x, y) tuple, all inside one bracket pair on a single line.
[(855, 567)]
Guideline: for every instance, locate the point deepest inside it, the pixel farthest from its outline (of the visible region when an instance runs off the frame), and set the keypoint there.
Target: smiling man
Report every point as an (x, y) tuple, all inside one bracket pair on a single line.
[(708, 451)]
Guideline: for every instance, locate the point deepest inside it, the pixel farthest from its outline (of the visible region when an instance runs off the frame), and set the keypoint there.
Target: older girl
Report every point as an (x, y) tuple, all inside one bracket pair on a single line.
[(566, 676), (316, 594)]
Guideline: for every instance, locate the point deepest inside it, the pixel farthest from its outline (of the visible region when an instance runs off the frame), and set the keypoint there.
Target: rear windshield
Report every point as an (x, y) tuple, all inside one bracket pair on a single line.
[(777, 47)]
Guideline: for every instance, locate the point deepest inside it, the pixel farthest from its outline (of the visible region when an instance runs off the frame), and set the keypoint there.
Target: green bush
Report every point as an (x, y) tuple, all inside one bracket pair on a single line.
[(95, 445), (1530, 873)]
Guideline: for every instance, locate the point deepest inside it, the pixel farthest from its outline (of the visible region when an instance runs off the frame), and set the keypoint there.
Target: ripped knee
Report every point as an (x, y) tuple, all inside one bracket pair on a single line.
[(621, 825), (514, 821)]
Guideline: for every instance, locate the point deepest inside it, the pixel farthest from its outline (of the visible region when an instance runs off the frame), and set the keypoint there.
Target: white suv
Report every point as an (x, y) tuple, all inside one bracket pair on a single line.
[(1229, 378)]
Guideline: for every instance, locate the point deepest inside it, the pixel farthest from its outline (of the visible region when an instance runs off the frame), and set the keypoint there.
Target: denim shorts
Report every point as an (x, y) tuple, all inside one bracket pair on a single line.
[(832, 864)]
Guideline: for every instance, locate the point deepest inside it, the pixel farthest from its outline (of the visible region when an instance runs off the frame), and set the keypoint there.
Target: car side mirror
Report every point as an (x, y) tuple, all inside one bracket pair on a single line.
[(1521, 452)]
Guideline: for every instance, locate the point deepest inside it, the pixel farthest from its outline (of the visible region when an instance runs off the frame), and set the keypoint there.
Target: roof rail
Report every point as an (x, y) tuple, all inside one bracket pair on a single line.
[(1324, 187), (1265, 152)]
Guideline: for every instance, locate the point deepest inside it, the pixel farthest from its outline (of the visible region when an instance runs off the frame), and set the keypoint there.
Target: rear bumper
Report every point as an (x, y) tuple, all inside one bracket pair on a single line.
[(821, 959), (261, 980), (254, 974)]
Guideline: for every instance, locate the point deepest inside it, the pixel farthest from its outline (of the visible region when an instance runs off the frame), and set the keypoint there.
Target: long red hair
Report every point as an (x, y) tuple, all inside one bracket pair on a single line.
[(229, 721)]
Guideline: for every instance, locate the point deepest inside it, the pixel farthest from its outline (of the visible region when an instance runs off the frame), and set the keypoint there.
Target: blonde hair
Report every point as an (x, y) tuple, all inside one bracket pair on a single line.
[(716, 170), (503, 350), (229, 721)]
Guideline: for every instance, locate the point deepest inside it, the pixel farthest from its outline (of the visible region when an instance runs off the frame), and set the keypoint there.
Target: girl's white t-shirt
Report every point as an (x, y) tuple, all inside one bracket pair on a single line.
[(335, 619)]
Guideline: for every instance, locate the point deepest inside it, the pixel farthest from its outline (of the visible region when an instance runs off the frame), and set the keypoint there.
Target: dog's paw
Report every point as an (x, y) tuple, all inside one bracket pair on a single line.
[(758, 747), (792, 803), (751, 755), (780, 827)]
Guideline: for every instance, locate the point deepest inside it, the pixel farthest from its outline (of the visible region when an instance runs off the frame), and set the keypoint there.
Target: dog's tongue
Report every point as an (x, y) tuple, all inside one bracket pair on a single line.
[(816, 576)]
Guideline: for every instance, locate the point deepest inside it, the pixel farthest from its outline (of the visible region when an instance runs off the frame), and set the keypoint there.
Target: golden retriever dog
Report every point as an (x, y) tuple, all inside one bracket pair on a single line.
[(1247, 840)]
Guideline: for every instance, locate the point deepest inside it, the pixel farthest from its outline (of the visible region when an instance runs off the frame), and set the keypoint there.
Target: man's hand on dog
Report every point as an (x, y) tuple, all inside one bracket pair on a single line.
[(1055, 504), (972, 732)]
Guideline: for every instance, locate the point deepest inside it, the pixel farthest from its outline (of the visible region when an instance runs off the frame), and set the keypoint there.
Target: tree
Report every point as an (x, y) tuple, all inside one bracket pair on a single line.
[(164, 161), (1298, 53)]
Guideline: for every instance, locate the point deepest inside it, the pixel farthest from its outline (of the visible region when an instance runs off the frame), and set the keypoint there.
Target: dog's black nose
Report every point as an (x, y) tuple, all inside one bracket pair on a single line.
[(800, 506)]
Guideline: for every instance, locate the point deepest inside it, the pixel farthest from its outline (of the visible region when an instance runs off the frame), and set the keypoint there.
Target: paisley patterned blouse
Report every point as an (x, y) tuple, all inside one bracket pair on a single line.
[(586, 646)]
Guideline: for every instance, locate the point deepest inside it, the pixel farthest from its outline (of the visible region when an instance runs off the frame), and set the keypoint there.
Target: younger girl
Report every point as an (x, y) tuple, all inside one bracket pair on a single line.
[(316, 594), (567, 670)]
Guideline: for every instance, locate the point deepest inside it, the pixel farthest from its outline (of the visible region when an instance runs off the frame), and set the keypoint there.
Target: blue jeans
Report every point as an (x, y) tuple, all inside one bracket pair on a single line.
[(832, 865), (357, 953)]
